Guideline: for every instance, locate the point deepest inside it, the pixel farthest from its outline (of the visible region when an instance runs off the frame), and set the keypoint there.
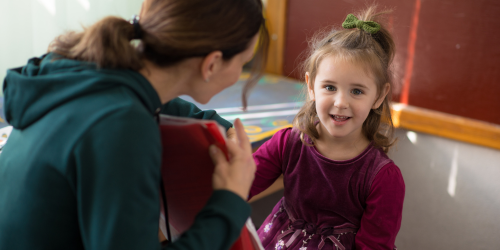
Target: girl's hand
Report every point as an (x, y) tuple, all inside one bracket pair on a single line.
[(237, 174)]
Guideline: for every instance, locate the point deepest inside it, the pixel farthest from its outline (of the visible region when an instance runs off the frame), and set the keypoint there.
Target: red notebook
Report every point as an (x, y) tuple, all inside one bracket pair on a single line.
[(187, 174)]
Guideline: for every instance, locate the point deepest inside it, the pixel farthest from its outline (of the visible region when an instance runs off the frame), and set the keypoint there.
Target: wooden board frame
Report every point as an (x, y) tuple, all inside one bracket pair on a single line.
[(446, 125), (275, 13)]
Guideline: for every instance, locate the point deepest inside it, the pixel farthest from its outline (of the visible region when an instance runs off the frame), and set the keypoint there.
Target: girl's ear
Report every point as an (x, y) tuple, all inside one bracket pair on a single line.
[(310, 89), (211, 64), (384, 93)]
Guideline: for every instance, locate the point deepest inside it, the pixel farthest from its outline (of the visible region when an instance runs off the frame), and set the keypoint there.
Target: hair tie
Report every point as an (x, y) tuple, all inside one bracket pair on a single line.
[(137, 27), (352, 21)]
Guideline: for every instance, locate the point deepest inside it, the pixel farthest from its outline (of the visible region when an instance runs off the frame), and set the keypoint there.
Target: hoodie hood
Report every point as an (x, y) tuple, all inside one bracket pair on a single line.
[(45, 83)]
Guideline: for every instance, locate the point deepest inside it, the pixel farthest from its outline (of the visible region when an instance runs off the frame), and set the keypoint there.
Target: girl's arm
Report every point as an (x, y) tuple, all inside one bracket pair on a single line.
[(268, 159), (381, 220)]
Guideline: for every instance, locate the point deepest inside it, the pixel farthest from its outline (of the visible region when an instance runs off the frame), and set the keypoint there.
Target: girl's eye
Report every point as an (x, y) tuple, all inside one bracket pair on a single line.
[(357, 92), (330, 88)]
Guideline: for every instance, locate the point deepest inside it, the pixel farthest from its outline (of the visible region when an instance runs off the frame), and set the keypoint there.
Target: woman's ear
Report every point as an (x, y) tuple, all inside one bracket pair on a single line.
[(384, 93), (211, 64), (310, 88)]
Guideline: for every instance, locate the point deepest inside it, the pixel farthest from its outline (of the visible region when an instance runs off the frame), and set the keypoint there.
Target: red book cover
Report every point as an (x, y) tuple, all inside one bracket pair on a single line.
[(187, 173)]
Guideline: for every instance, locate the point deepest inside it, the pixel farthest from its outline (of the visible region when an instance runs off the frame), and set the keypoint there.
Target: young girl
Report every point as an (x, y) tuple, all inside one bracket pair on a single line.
[(341, 189)]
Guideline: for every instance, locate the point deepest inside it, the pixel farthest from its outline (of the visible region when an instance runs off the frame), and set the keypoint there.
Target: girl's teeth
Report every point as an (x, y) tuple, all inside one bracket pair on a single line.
[(340, 118)]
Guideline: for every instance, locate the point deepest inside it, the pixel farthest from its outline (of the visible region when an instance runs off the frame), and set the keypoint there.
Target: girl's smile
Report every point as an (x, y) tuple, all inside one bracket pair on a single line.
[(339, 120)]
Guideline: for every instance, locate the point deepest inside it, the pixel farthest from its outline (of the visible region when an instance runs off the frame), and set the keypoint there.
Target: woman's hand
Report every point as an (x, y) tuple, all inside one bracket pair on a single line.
[(231, 135), (237, 174)]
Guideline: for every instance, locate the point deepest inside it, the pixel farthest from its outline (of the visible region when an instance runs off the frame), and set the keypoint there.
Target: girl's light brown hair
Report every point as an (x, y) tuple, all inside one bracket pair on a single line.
[(172, 30), (373, 52)]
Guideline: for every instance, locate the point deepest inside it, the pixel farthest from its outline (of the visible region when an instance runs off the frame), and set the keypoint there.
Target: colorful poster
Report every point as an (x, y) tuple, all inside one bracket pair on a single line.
[(272, 105)]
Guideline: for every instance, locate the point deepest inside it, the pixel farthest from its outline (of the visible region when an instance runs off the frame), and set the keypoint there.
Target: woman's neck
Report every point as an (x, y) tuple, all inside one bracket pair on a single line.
[(169, 82), (340, 149)]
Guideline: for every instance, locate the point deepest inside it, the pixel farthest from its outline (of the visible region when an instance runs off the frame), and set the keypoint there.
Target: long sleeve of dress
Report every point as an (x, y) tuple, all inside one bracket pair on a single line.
[(268, 159), (381, 219)]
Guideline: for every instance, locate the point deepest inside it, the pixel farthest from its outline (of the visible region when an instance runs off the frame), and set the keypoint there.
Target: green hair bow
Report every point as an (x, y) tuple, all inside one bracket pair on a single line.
[(352, 22)]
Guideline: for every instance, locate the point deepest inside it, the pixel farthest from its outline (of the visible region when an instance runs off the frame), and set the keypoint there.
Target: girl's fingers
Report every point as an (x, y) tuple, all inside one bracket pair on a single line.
[(242, 136)]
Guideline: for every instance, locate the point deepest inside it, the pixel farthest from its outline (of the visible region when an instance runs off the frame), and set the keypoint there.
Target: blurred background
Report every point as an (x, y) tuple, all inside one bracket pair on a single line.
[(28, 26), (446, 98)]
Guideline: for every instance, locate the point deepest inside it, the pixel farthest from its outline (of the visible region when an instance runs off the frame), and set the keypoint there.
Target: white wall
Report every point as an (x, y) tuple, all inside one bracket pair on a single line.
[(28, 26)]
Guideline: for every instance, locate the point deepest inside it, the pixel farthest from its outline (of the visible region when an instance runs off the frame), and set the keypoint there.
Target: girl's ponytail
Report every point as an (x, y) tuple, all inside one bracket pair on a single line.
[(106, 43)]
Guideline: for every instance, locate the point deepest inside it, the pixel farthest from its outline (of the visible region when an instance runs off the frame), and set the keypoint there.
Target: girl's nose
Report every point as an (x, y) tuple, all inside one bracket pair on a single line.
[(341, 102)]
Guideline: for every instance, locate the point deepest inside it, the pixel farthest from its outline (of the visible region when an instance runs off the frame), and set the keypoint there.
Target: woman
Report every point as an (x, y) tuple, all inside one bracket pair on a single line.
[(81, 168)]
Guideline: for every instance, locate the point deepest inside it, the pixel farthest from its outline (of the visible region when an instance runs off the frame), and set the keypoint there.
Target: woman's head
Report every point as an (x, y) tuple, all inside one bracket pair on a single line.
[(179, 29), (372, 54), (213, 73), (172, 31)]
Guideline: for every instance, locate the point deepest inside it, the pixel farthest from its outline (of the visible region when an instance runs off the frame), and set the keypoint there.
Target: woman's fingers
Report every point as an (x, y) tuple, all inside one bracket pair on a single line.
[(231, 135), (218, 157), (220, 175), (237, 174), (244, 143), (233, 149)]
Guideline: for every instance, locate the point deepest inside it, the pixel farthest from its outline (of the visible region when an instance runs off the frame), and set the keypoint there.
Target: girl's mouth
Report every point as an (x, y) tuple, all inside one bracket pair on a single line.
[(339, 118)]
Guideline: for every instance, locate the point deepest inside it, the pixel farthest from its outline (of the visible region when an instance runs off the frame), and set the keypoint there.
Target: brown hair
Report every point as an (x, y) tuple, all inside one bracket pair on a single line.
[(172, 30), (375, 53)]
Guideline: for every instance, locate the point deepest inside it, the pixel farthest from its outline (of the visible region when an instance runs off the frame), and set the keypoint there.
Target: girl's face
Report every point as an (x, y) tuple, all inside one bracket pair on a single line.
[(344, 95)]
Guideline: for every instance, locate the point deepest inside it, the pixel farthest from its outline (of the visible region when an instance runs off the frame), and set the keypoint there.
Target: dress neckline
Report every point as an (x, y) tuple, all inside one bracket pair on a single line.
[(343, 162)]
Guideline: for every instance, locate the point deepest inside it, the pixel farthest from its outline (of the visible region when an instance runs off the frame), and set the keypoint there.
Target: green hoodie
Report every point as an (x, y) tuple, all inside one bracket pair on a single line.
[(81, 169)]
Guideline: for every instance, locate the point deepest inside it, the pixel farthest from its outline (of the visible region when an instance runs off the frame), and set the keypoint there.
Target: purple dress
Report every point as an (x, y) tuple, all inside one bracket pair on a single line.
[(328, 204)]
